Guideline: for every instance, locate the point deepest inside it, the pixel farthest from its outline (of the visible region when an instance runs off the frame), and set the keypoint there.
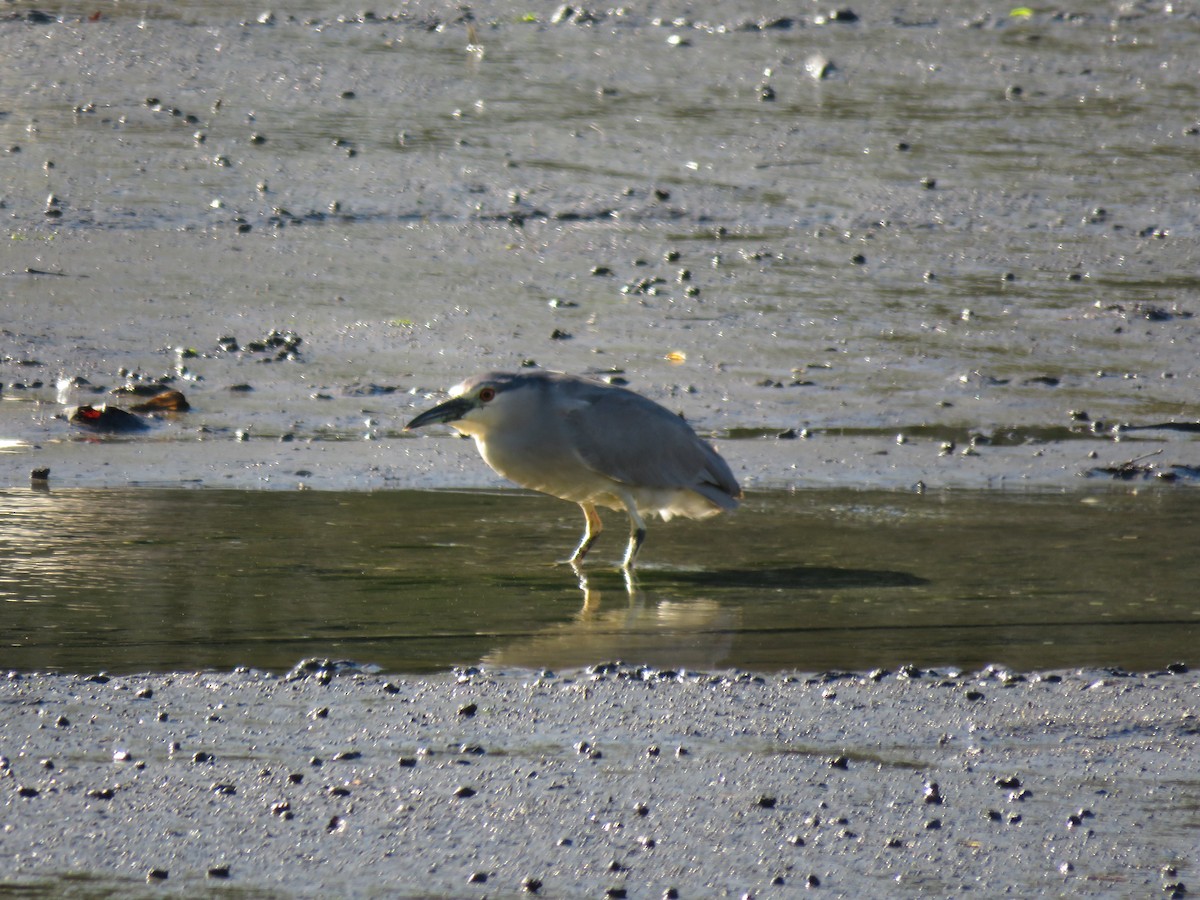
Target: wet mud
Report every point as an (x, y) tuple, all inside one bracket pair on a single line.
[(607, 782), (944, 246)]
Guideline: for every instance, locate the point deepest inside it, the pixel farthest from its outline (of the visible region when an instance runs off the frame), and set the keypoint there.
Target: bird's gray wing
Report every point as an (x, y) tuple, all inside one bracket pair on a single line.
[(635, 441)]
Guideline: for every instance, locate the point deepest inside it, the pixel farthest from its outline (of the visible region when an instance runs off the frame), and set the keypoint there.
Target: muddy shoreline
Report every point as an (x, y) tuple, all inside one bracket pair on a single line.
[(595, 782), (960, 255)]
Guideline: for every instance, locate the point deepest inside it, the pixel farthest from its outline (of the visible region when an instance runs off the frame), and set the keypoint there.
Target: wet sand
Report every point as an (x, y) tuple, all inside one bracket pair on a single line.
[(593, 783), (961, 256)]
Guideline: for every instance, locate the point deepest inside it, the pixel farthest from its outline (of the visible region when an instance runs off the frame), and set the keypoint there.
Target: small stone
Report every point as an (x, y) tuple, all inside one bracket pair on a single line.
[(469, 710), (477, 878), (464, 792), (218, 872), (932, 793), (531, 885), (157, 875), (766, 802)]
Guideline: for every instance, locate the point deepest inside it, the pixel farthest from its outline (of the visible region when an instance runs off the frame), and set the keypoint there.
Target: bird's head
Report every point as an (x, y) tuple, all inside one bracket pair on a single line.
[(478, 405)]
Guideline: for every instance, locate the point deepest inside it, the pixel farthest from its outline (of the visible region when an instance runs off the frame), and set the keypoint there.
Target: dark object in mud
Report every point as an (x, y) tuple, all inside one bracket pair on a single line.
[(108, 419), (283, 344), (39, 476), (134, 389), (286, 342), (1135, 468), (1186, 427), (167, 401), (1149, 312)]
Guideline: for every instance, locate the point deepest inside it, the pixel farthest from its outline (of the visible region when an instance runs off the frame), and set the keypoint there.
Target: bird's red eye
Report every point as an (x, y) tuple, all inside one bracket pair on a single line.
[(486, 395)]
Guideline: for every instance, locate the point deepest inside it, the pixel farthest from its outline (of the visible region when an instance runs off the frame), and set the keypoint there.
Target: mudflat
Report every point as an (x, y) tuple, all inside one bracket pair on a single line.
[(607, 782), (936, 245)]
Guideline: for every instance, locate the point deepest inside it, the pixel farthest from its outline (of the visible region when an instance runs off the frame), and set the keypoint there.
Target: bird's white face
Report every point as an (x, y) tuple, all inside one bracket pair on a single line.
[(486, 411)]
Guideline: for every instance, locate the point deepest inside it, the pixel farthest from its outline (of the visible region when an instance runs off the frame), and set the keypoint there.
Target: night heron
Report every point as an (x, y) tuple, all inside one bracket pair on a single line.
[(592, 443)]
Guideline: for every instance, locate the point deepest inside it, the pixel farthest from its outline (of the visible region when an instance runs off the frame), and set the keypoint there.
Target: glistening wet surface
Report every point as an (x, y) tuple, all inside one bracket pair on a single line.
[(147, 580)]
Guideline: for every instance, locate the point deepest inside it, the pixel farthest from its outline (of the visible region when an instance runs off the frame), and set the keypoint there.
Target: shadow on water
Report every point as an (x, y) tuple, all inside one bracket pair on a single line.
[(143, 580), (794, 577)]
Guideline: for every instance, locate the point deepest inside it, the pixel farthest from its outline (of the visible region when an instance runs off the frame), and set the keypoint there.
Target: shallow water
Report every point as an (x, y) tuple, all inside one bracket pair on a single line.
[(144, 580)]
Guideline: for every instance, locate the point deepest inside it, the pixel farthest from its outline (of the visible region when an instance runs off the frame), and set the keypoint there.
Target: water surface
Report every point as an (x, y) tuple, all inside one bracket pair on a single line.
[(147, 579)]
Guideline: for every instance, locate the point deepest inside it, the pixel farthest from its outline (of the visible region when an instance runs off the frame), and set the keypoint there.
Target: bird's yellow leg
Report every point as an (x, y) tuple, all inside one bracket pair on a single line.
[(591, 530), (637, 534)]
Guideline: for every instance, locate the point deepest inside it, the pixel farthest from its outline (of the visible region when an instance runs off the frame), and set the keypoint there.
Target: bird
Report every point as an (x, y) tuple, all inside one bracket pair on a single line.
[(592, 443)]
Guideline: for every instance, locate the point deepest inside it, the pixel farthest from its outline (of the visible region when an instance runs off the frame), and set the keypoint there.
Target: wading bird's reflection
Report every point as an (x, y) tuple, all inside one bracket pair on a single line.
[(591, 595), (619, 620)]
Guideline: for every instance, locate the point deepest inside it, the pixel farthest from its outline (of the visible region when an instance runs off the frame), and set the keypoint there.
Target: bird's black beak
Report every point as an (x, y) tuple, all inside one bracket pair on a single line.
[(450, 411)]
